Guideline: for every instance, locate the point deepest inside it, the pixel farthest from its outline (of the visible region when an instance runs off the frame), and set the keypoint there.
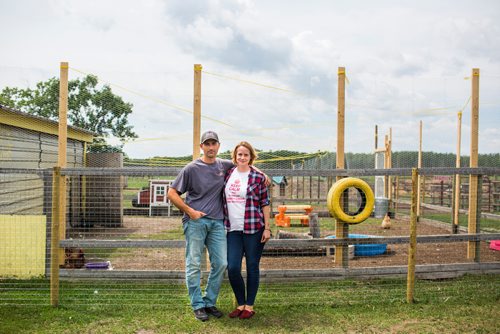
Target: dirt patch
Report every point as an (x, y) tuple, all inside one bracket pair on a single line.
[(173, 259)]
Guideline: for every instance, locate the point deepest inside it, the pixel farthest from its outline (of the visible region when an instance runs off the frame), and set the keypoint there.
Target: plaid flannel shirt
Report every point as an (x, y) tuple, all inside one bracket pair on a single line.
[(257, 198)]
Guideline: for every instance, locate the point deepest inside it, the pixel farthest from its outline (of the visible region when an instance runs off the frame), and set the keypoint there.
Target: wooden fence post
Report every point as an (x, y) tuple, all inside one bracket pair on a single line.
[(197, 133), (419, 165), (197, 111), (314, 227), (54, 236), (412, 247), (62, 149), (456, 184), (474, 199), (341, 228)]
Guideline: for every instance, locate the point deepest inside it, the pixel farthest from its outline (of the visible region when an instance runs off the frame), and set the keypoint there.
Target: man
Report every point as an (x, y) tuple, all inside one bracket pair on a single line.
[(203, 181)]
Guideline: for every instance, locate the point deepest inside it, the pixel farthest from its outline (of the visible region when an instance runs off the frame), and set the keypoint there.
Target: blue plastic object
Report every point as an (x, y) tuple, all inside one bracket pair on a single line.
[(365, 249), (97, 265)]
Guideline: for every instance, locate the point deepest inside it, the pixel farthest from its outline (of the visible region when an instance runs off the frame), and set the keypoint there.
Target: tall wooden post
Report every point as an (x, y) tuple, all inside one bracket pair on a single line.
[(54, 237), (63, 112), (197, 111), (58, 224), (197, 134), (389, 165), (396, 196), (473, 179), (412, 247), (386, 165), (456, 192), (62, 149), (341, 228), (419, 190)]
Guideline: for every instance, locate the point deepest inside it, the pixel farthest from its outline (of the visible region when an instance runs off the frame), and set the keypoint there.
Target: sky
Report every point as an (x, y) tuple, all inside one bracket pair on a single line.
[(270, 68)]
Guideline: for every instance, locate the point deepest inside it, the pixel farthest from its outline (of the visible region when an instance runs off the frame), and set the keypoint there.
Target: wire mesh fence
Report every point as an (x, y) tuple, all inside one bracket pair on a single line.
[(116, 249), (120, 241), (152, 124)]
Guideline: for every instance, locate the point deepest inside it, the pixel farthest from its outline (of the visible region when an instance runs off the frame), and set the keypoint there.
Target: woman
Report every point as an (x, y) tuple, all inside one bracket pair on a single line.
[(246, 216)]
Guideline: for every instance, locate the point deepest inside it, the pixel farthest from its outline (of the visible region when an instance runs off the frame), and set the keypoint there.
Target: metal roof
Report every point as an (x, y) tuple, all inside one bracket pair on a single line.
[(18, 118)]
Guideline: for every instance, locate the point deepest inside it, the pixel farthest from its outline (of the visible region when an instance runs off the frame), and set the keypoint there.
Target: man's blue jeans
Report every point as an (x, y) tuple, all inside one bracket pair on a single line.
[(240, 244), (212, 234)]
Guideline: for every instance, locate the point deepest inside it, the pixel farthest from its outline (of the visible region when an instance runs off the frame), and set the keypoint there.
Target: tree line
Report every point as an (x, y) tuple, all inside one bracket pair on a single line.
[(284, 159)]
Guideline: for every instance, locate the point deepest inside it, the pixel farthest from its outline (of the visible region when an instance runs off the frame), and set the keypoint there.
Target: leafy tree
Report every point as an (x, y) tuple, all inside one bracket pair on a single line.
[(90, 107)]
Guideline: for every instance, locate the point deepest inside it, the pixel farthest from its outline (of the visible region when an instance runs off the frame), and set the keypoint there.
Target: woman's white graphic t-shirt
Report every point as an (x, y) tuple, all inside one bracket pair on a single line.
[(236, 192)]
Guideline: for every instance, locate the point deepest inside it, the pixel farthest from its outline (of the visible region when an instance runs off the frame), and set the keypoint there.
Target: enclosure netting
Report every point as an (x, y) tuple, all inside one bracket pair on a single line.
[(122, 240)]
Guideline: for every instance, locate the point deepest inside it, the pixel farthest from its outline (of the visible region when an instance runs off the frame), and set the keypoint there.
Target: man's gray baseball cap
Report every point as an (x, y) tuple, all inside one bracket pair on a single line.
[(208, 136)]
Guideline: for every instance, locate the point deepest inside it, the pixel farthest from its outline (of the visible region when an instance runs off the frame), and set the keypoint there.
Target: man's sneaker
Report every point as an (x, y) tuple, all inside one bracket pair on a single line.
[(200, 314), (212, 310)]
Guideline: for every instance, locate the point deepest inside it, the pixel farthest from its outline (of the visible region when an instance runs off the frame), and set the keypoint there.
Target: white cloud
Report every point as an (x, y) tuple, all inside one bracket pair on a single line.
[(202, 34), (405, 61)]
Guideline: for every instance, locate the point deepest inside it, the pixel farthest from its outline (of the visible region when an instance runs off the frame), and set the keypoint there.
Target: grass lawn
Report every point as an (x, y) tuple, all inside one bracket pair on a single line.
[(486, 223), (463, 305)]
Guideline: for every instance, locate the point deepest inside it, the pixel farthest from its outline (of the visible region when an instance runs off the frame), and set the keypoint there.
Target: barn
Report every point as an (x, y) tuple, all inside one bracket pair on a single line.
[(31, 142), (28, 149)]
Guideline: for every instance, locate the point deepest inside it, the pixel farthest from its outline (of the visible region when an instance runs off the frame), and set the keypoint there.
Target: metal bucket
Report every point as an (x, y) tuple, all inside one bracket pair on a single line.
[(381, 207)]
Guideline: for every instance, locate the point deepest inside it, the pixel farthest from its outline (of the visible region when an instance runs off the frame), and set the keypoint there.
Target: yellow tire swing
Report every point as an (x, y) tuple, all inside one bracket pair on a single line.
[(335, 196)]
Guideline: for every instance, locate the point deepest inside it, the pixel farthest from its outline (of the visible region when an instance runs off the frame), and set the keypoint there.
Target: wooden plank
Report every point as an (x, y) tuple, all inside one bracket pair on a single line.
[(296, 207), (295, 243), (297, 275), (99, 243), (297, 216), (173, 171)]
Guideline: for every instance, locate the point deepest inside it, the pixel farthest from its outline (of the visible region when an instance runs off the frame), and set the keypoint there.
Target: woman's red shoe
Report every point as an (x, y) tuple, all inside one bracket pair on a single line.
[(235, 314), (246, 314)]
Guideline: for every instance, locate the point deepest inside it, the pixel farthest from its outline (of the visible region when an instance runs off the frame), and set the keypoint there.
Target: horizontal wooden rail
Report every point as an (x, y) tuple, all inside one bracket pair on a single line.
[(293, 243), (431, 271), (173, 171)]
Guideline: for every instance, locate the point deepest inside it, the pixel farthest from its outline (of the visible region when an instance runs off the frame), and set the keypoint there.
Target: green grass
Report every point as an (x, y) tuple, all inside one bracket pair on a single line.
[(100, 253), (137, 182), (485, 223), (128, 195), (172, 234), (468, 304)]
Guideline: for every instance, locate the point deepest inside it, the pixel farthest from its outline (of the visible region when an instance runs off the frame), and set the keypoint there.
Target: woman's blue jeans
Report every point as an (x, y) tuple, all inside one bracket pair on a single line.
[(212, 234), (240, 244)]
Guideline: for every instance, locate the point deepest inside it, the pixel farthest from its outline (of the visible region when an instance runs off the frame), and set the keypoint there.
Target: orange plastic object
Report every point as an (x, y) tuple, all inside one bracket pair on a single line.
[(284, 220), (281, 220)]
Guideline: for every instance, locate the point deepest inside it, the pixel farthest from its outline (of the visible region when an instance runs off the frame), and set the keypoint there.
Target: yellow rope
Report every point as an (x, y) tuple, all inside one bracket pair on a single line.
[(253, 83), (180, 162), (156, 99), (466, 103), (293, 157)]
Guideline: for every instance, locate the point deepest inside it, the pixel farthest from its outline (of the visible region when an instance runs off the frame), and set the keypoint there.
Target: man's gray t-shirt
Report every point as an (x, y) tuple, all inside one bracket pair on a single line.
[(203, 184)]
